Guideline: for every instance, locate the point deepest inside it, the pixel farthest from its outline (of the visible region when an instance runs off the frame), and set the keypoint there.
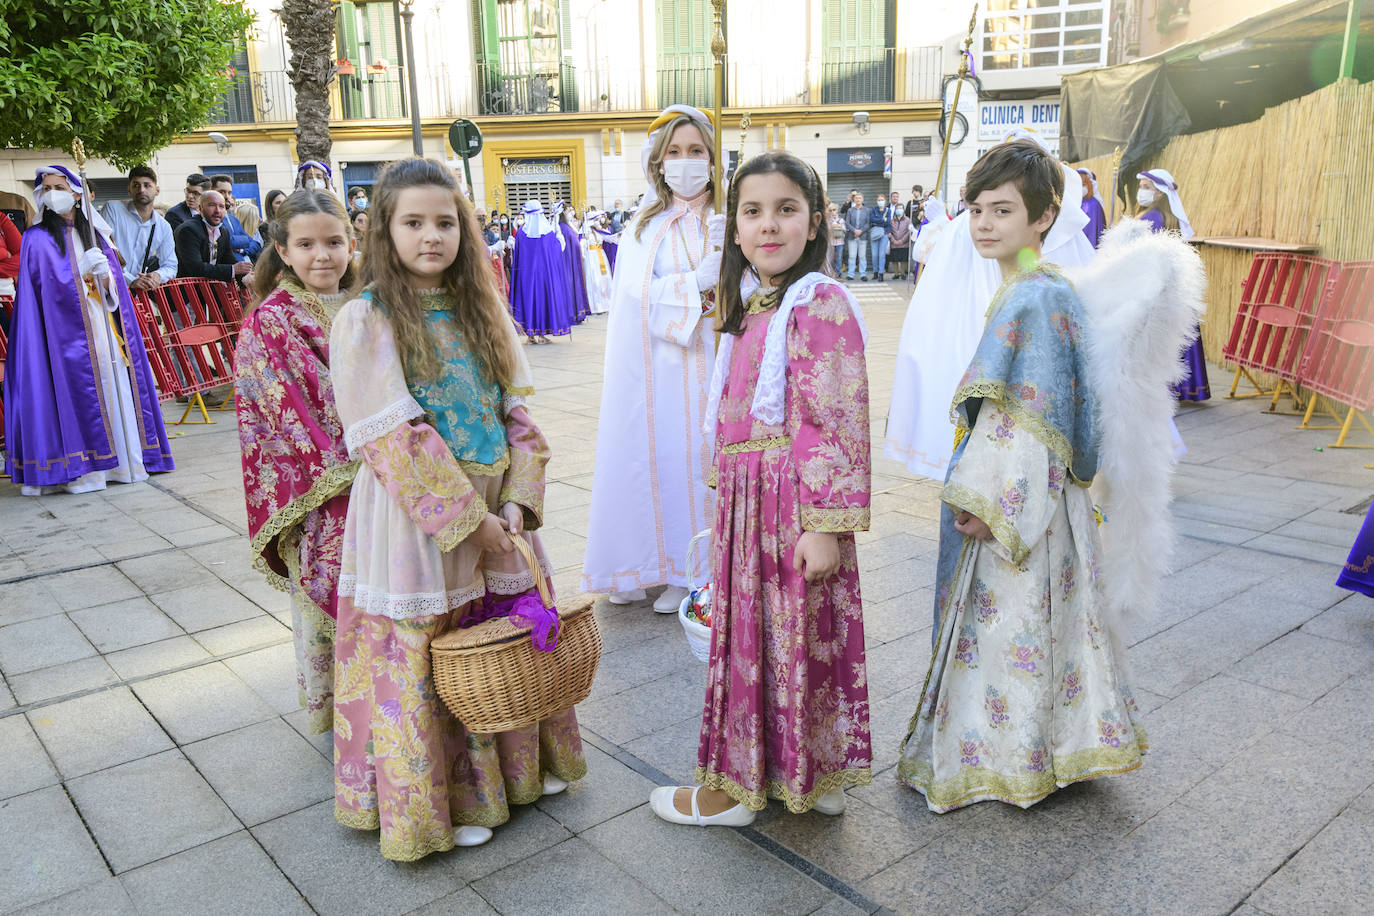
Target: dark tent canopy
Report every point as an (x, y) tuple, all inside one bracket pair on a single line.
[(1227, 78)]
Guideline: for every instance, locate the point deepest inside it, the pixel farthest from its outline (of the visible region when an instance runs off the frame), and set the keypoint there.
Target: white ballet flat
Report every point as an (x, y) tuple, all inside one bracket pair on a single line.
[(553, 785), (831, 803), (630, 597), (670, 600), (471, 836), (661, 803)]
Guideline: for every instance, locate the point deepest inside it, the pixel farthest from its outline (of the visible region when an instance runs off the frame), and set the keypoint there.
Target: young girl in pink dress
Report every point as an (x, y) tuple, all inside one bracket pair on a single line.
[(430, 386), (786, 711)]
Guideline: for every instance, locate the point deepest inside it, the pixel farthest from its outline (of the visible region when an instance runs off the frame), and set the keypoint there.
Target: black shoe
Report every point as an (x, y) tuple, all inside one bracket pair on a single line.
[(864, 278)]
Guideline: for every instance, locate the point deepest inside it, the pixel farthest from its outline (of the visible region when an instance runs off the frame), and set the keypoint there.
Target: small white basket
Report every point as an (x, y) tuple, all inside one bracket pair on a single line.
[(698, 634)]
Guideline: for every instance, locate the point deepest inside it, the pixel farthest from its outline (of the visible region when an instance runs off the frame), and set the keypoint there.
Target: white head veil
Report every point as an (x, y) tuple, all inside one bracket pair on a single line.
[(40, 198), (536, 224), (669, 115), (1169, 188)]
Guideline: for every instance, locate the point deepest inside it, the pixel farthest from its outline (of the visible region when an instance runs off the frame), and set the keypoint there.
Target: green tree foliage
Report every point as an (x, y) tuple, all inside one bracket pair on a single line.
[(124, 76)]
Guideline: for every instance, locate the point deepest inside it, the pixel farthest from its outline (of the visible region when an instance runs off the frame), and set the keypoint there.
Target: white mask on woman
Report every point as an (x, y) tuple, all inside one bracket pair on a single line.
[(687, 177), (59, 201), (1145, 196), (315, 184)]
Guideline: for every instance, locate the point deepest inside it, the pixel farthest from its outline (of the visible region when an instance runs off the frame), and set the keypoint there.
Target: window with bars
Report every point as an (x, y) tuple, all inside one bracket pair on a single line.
[(368, 38), (236, 106), (857, 61), (1020, 34), (524, 62), (686, 70)]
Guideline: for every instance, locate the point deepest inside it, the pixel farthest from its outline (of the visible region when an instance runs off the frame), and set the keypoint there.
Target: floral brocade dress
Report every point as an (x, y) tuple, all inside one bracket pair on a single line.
[(436, 457), (786, 712)]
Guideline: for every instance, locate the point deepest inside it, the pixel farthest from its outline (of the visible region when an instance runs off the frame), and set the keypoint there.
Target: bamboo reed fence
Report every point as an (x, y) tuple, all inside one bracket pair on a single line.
[(1301, 173)]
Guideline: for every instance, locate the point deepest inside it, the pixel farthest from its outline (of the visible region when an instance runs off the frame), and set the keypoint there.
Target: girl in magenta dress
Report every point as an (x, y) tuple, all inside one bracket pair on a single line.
[(786, 713)]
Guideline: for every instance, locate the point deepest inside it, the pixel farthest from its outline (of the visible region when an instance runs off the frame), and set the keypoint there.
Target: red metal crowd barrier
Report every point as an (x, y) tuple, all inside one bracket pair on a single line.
[(1278, 308), (194, 322), (1338, 362)]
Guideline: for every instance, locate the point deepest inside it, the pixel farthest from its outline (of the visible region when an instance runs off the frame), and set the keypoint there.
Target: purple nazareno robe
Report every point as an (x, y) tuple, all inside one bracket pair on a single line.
[(577, 283), (1194, 386), (1358, 574), (539, 294), (57, 424), (1097, 220), (609, 247)]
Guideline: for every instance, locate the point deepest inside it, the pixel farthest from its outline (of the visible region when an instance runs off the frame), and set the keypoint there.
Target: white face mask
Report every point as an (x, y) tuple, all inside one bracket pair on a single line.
[(1145, 196), (687, 177), (60, 202), (315, 184)]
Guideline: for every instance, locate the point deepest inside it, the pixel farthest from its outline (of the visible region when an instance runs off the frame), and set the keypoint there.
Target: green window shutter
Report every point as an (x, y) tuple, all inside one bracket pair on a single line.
[(346, 37), (857, 61), (684, 52), (567, 73), (382, 34)]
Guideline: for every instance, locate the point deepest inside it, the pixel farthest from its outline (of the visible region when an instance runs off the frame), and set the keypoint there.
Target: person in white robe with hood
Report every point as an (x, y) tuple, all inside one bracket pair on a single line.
[(945, 321), (649, 491)]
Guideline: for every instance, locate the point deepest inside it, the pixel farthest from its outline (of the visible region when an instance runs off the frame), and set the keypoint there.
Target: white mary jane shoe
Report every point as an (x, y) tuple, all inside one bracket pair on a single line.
[(553, 785), (670, 600), (831, 803), (630, 597), (471, 836), (661, 803)]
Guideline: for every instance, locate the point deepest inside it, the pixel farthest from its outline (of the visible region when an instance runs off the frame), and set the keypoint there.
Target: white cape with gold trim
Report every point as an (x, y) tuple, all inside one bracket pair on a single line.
[(649, 493)]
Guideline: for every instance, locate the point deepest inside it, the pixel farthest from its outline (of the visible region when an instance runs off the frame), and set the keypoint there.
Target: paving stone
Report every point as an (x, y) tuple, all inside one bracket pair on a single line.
[(342, 871), (157, 657), (41, 643), (1221, 717), (27, 600), (149, 809), (271, 674), (123, 624), (641, 662), (165, 572), (201, 702), (528, 832), (101, 730), (1349, 621), (106, 897), (462, 902), (255, 632), (324, 743), (1302, 664), (62, 680), (45, 851), (27, 766), (263, 771), (851, 846), (626, 716), (129, 547), (207, 534), (608, 789), (200, 607), (86, 587), (226, 876), (574, 879), (1346, 711), (671, 750)]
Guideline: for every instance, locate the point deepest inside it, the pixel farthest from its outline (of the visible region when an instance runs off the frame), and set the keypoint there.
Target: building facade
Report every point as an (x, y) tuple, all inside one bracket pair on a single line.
[(563, 90)]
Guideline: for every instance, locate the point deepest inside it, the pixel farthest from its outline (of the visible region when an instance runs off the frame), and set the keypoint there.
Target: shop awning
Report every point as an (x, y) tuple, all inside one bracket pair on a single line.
[(1229, 77)]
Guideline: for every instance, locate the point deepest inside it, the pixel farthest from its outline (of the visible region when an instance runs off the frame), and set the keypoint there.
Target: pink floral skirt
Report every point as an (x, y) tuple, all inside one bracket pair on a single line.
[(786, 691), (403, 764)]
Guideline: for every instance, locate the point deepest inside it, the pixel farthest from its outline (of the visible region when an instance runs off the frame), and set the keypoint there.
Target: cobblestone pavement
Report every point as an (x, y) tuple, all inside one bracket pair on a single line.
[(155, 760)]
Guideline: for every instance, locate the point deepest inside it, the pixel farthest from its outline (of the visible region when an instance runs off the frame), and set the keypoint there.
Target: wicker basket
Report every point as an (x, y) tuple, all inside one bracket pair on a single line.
[(493, 678)]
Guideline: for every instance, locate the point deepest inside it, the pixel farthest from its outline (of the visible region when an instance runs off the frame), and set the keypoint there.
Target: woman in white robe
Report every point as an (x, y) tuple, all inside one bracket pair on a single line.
[(649, 492), (596, 269)]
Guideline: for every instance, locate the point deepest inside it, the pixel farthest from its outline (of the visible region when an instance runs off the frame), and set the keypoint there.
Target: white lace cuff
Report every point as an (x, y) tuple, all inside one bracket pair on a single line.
[(379, 603), (380, 423)]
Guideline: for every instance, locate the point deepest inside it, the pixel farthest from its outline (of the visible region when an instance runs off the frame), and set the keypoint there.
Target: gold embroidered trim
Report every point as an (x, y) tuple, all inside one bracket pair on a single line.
[(289, 549), (332, 482), (797, 803), (983, 784), (996, 390), (358, 820), (756, 445), (457, 531), (760, 302), (521, 391), (713, 477), (495, 469), (958, 496), (836, 521)]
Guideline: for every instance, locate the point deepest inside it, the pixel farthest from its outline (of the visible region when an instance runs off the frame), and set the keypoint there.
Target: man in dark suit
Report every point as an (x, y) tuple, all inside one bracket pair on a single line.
[(196, 184), (203, 247)]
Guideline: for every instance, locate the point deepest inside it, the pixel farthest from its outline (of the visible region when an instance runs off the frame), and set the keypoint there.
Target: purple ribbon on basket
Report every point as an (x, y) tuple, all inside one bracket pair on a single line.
[(528, 609)]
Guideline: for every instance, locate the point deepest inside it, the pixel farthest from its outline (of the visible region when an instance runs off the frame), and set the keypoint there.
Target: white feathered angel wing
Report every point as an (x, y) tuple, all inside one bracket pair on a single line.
[(1142, 294)]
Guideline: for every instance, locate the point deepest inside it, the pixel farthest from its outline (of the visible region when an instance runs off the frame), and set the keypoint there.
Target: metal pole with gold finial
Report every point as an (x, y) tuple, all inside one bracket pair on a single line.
[(954, 109), (718, 52)]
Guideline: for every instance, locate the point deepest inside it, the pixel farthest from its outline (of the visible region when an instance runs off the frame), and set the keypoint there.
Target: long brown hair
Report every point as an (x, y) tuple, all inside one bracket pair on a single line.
[(733, 263), (664, 198), (268, 272), (477, 310)]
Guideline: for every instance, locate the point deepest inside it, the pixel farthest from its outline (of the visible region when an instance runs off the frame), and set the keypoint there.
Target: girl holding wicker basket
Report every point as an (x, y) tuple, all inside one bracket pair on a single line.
[(430, 384), (786, 712)]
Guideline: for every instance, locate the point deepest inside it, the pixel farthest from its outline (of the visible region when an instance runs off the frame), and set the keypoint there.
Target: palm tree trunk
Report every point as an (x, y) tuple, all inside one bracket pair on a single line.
[(310, 33)]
